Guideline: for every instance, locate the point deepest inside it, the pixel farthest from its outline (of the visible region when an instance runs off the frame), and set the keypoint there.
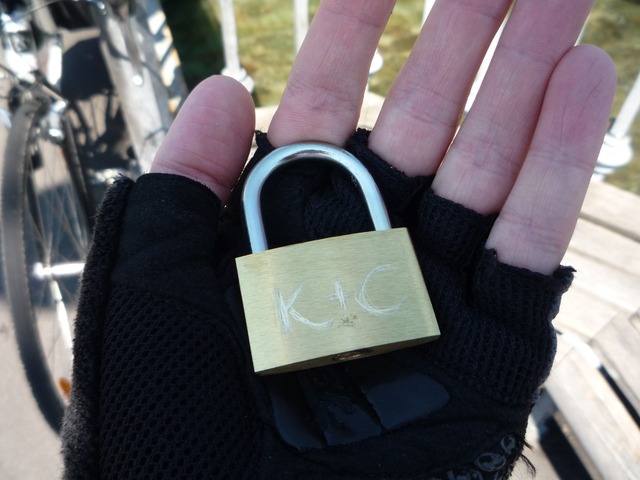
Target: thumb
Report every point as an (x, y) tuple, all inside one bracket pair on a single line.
[(210, 139)]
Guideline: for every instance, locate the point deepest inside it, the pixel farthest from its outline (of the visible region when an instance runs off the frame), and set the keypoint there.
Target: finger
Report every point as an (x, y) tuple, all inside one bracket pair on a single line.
[(421, 112), (537, 221), (324, 93), (210, 138), (486, 155)]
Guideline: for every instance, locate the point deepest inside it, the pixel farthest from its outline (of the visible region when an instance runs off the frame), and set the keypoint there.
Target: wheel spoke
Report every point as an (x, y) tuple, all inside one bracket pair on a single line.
[(47, 232)]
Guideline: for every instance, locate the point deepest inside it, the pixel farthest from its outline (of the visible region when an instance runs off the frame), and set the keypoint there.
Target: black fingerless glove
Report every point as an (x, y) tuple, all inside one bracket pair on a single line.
[(163, 382)]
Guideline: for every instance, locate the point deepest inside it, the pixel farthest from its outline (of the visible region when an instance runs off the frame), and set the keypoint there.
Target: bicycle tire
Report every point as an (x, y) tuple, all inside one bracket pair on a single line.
[(45, 228)]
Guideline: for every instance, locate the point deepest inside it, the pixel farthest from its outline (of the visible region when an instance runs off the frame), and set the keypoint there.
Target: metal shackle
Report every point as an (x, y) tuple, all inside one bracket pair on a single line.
[(306, 151)]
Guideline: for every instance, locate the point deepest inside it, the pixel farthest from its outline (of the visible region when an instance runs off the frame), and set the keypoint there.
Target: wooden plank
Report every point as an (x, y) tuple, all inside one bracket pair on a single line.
[(370, 110), (564, 349), (618, 345), (583, 313), (601, 424), (607, 280), (609, 247), (609, 284), (613, 208), (263, 117)]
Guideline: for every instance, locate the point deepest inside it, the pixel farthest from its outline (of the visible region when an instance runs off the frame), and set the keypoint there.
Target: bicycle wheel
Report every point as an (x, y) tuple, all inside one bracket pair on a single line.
[(45, 239)]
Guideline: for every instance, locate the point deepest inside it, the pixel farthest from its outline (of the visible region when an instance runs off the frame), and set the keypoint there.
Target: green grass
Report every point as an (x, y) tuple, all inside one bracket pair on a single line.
[(265, 32)]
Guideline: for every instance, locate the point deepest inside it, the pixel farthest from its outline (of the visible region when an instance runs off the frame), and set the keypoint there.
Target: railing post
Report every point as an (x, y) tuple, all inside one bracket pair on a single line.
[(428, 5), (616, 149), (300, 21), (376, 64), (628, 112), (484, 67), (232, 67)]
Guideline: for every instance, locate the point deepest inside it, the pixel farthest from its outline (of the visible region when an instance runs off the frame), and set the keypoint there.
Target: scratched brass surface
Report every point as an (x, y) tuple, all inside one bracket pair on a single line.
[(334, 299)]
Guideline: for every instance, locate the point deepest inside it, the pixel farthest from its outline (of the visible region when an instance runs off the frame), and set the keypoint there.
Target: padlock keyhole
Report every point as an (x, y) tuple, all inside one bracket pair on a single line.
[(343, 357)]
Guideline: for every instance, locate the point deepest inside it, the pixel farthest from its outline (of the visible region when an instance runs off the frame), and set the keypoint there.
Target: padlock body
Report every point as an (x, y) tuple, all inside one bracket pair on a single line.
[(334, 299)]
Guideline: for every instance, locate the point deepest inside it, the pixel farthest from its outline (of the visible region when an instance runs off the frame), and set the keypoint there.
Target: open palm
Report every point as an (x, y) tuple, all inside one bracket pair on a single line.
[(526, 148)]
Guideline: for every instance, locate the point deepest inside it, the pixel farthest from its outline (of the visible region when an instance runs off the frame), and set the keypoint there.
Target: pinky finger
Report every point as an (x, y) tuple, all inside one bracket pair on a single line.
[(537, 221)]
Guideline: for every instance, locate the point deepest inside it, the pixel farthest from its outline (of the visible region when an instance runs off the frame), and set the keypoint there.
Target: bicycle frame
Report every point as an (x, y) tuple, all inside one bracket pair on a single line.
[(65, 145), (132, 65)]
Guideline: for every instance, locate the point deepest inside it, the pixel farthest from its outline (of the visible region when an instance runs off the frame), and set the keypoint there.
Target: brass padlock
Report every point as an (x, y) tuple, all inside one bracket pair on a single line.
[(334, 299)]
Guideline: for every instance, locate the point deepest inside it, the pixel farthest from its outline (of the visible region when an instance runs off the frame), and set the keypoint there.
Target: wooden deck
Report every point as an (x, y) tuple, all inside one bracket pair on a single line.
[(595, 383), (596, 378)]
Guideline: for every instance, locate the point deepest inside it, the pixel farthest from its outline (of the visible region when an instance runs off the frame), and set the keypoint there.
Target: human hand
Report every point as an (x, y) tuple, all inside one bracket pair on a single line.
[(526, 150)]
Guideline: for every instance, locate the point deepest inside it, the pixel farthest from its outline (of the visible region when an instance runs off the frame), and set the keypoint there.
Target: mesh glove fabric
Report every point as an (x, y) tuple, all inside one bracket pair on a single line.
[(163, 382)]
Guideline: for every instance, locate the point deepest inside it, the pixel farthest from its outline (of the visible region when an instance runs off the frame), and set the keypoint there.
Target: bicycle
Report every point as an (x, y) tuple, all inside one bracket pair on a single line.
[(71, 133)]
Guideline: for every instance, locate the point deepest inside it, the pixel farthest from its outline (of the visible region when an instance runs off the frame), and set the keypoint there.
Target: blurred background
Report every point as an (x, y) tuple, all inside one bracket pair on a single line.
[(267, 48)]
